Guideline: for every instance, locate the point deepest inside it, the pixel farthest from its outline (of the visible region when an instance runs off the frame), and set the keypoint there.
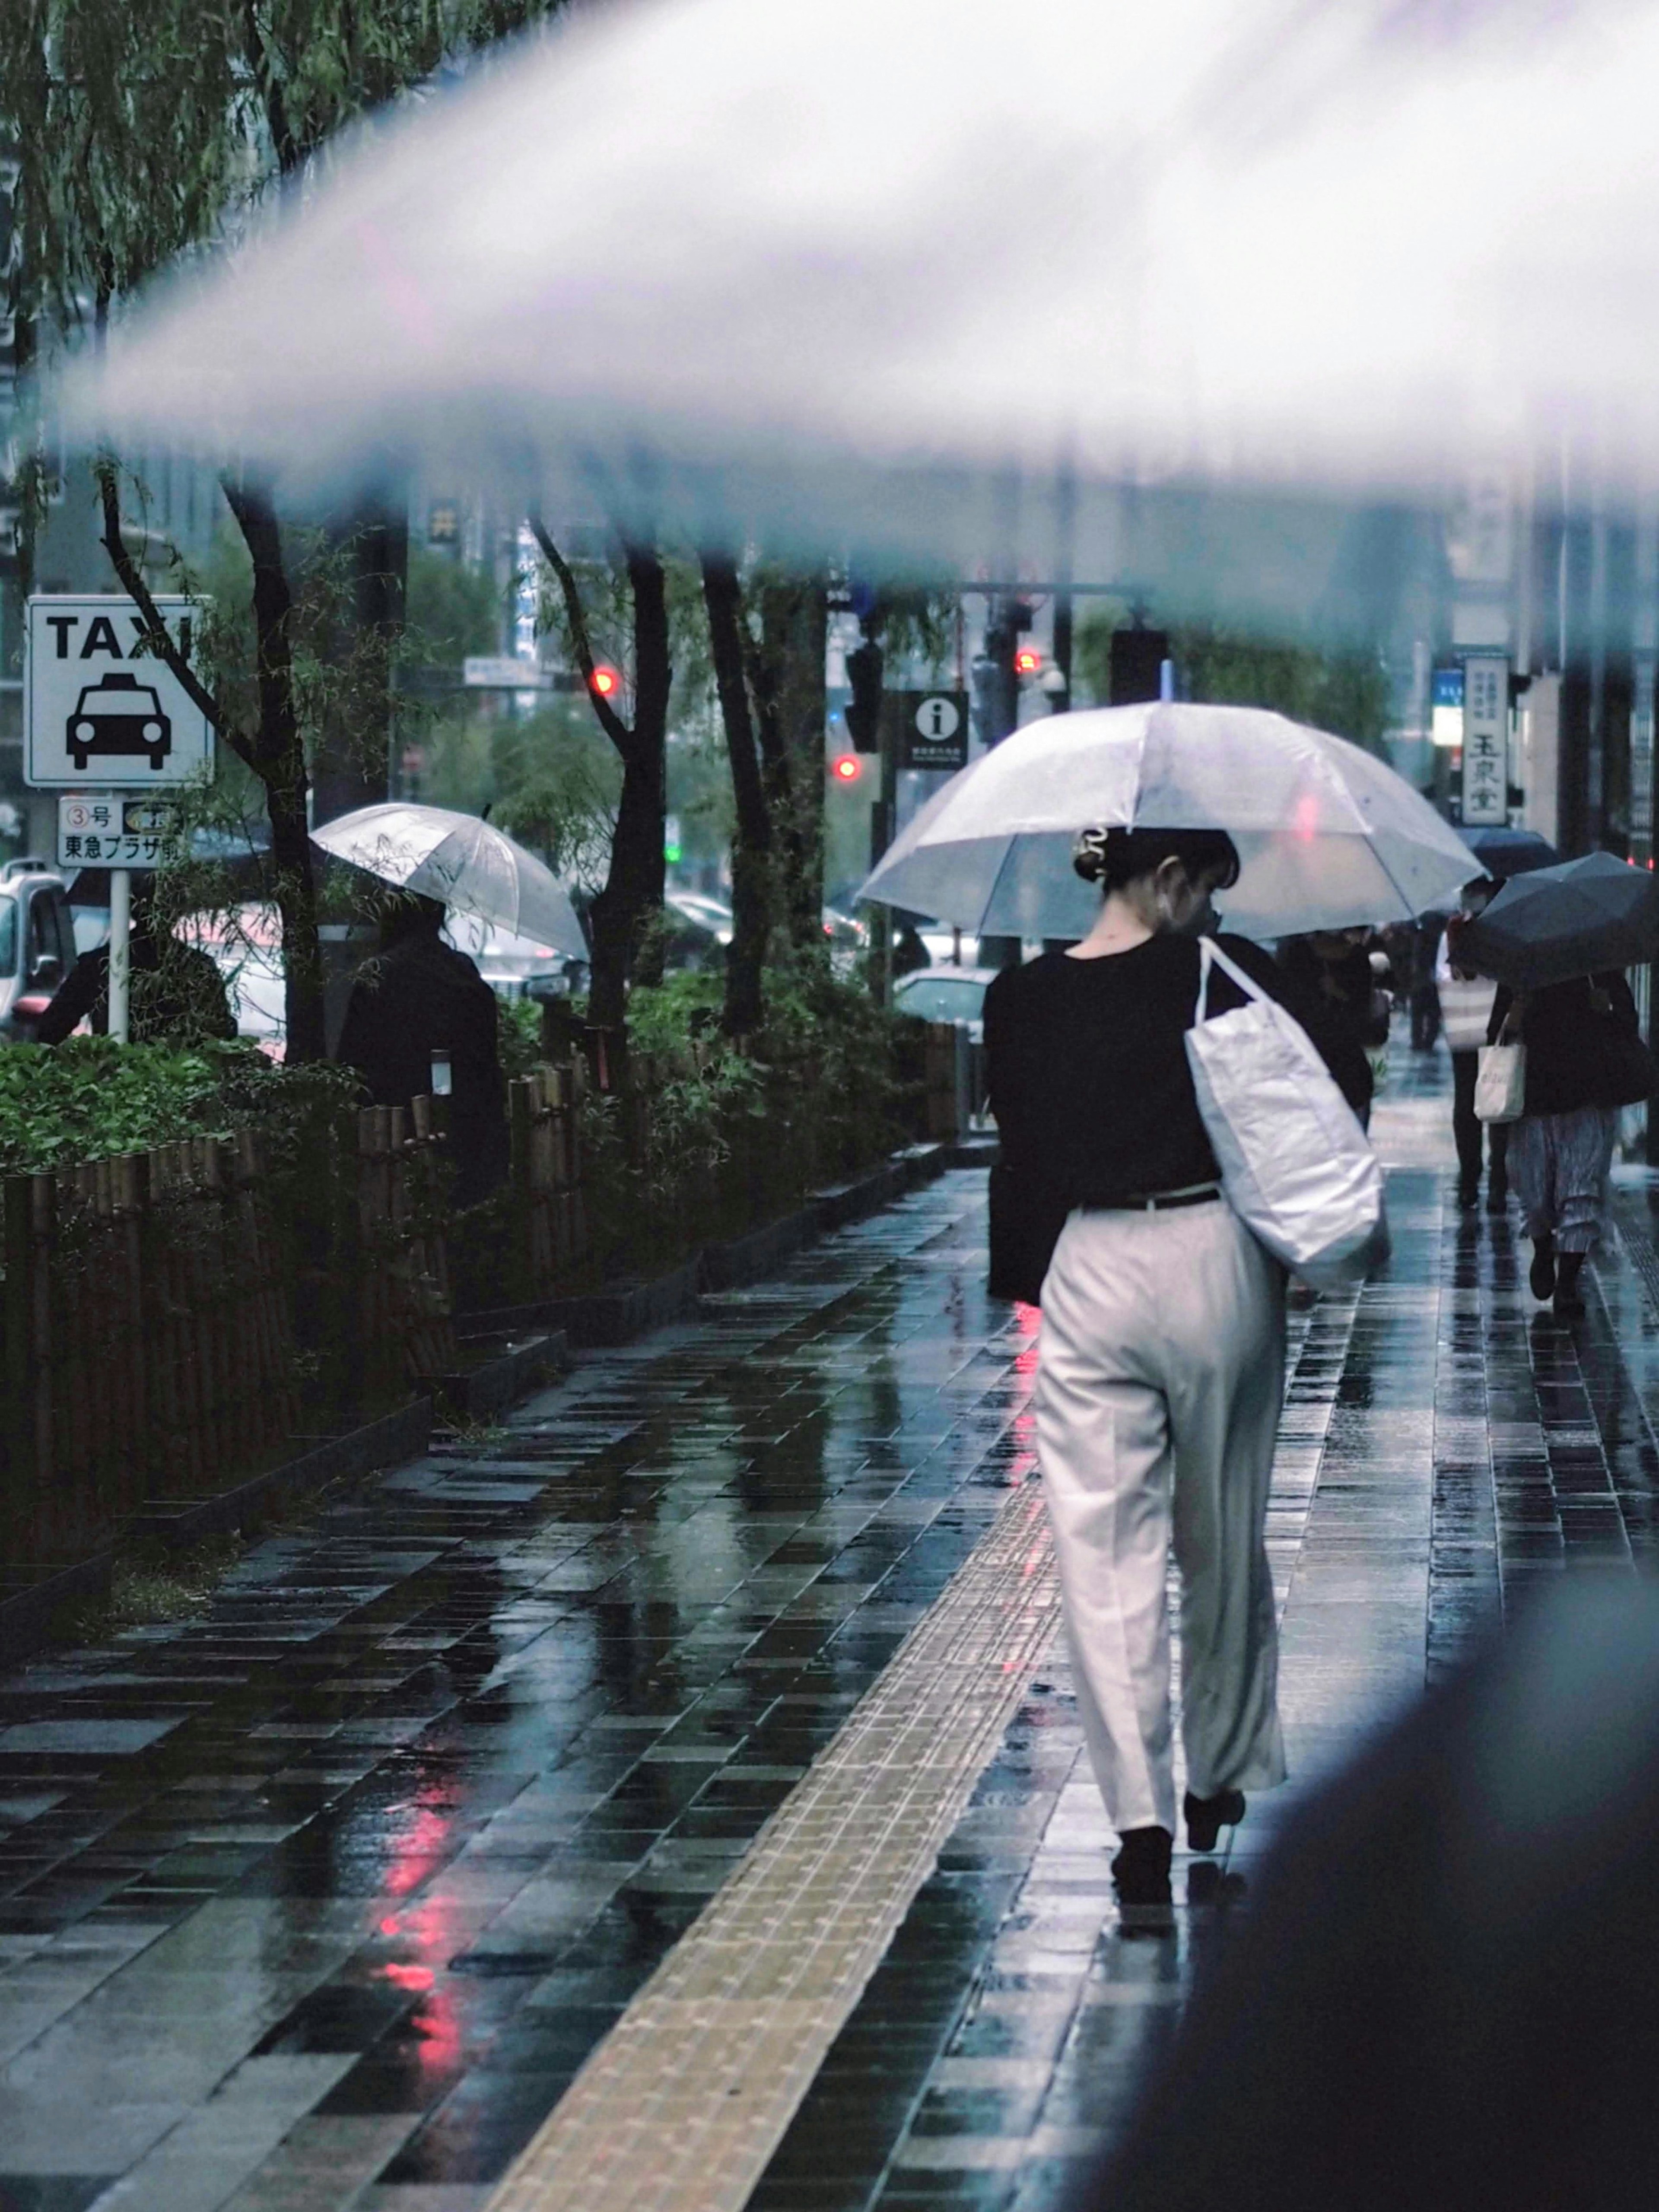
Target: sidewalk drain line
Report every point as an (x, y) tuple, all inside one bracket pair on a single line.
[(681, 2104)]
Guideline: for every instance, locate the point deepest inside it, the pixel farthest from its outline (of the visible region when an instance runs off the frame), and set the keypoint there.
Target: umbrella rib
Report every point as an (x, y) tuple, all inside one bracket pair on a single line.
[(996, 885)]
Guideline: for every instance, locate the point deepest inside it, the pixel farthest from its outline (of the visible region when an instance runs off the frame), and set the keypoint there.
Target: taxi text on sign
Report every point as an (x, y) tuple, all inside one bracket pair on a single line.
[(1485, 741), (99, 713)]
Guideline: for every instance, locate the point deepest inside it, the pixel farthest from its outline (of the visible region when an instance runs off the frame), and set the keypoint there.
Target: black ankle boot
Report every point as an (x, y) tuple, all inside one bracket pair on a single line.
[(1207, 1817), (1542, 1276), (1140, 1872), (1568, 1269)]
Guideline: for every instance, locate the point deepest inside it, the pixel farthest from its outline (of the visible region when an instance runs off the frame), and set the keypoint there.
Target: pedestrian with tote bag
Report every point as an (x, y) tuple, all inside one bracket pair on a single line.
[(1466, 1004), (1161, 1370), (1584, 1059)]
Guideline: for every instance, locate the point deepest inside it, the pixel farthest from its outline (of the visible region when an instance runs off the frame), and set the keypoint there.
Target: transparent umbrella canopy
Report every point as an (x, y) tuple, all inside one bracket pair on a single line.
[(1175, 291), (472, 867), (1329, 836)]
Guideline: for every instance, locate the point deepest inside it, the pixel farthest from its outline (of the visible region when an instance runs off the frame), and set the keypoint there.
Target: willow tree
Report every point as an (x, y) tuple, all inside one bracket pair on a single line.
[(142, 134)]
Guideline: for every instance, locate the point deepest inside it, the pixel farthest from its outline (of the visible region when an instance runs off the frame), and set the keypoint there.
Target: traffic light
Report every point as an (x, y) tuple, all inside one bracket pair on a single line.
[(864, 669), (846, 767), (1028, 660), (605, 680)]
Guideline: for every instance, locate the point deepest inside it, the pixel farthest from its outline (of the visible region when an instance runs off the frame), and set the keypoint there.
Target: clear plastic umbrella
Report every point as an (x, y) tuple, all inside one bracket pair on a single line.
[(464, 862), (1218, 268), (1329, 836)]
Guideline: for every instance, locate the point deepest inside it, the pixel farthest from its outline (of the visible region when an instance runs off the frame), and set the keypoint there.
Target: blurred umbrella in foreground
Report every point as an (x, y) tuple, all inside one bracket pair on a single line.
[(1187, 281), (461, 861), (1368, 2035), (1327, 835), (1556, 923)]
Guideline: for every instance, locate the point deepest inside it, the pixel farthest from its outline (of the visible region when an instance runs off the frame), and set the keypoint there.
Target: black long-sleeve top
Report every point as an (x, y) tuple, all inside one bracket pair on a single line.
[(1088, 1072)]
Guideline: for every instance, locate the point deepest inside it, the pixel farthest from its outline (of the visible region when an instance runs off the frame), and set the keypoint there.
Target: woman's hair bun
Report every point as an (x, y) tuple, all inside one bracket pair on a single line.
[(1090, 854), (1117, 856)]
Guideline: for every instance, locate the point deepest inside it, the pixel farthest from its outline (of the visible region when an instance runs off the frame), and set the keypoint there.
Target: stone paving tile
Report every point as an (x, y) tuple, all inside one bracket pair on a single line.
[(405, 1822), (1463, 1444)]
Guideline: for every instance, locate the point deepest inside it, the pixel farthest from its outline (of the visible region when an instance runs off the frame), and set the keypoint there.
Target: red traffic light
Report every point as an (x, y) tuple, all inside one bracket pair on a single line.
[(1027, 660), (605, 680), (846, 767)]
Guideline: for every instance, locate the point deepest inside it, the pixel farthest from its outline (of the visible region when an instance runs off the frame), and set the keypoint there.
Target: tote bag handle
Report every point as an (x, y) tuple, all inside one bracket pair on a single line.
[(1210, 957)]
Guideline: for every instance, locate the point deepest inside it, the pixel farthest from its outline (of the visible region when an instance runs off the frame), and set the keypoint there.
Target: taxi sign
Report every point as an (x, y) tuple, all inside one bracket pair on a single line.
[(98, 711)]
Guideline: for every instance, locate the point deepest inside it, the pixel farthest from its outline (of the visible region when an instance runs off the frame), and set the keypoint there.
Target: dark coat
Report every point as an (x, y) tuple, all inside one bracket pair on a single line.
[(420, 997), (176, 995), (1332, 1000), (1575, 1055)]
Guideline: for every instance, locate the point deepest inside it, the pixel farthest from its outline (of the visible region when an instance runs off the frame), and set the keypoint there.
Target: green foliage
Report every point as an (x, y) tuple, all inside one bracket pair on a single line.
[(520, 1035), (453, 609), (724, 1136), (86, 1099), (1342, 689)]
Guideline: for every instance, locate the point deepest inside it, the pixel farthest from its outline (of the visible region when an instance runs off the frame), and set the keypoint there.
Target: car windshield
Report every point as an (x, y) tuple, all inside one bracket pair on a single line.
[(942, 999), (8, 936)]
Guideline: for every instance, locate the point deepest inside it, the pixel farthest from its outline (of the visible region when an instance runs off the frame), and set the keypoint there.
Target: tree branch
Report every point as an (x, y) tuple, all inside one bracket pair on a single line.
[(156, 636), (289, 153), (609, 720)]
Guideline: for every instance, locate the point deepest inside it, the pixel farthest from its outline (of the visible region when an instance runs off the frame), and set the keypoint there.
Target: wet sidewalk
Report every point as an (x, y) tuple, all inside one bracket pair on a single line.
[(324, 1900)]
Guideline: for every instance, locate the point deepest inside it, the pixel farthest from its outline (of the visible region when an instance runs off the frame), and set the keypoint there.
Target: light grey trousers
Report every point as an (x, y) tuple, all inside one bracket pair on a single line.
[(1159, 1383)]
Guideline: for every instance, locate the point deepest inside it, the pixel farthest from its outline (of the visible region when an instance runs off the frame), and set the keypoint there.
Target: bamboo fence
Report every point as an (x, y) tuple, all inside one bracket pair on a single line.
[(171, 1318)]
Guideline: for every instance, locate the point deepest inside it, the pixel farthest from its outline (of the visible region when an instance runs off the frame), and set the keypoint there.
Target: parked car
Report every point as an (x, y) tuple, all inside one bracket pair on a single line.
[(941, 941), (945, 994), (703, 912), (699, 930), (517, 967), (37, 944)]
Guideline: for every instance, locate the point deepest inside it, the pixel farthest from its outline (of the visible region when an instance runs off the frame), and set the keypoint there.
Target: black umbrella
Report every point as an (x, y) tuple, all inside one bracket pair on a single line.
[(1506, 853), (1556, 923)]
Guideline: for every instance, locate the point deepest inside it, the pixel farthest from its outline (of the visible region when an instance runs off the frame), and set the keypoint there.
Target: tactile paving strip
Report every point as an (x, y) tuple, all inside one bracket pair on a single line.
[(683, 2103)]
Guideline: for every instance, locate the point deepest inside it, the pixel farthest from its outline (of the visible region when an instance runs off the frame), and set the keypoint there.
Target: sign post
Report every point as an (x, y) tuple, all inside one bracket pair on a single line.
[(101, 712), (120, 951)]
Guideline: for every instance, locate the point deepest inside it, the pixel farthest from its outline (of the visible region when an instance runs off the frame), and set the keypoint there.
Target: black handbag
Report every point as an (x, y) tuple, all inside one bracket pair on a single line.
[(1631, 1072), (1025, 1226)]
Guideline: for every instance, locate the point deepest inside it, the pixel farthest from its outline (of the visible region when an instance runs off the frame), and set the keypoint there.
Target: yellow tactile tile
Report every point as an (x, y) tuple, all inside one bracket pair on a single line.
[(680, 2107)]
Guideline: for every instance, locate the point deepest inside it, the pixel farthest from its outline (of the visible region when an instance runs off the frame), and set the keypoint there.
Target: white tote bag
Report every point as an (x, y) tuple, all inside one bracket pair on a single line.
[(1297, 1167), (1500, 1083)]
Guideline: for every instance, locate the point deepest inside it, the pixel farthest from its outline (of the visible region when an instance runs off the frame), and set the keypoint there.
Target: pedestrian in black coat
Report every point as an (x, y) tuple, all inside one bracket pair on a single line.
[(418, 999), (176, 995)]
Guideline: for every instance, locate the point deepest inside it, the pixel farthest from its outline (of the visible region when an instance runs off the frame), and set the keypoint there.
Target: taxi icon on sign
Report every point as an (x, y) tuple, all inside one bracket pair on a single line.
[(118, 715)]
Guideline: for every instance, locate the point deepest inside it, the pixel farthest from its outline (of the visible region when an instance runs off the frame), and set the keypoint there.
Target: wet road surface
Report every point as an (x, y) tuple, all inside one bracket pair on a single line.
[(322, 1900)]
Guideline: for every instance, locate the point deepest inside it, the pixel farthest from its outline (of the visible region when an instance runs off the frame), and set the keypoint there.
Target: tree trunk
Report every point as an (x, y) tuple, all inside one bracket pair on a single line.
[(279, 760), (625, 946), (751, 848), (633, 894), (794, 631), (653, 677), (370, 541), (634, 878)]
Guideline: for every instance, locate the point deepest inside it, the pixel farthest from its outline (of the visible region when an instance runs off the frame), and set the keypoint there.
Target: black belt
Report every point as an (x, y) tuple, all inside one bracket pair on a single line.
[(1158, 1201)]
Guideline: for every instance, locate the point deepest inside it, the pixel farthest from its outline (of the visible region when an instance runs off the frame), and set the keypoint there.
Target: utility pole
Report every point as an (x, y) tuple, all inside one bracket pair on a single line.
[(996, 716)]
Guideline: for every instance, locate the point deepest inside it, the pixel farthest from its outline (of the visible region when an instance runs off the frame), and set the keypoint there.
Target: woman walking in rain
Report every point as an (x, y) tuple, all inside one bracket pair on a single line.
[(1162, 1364), (1584, 1060)]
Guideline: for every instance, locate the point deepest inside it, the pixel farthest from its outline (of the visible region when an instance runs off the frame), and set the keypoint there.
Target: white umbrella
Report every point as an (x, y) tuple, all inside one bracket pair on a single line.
[(900, 274), (1328, 835), (461, 861)]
